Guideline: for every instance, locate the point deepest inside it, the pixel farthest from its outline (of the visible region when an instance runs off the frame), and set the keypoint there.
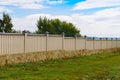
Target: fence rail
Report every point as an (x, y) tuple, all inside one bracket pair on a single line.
[(11, 43)]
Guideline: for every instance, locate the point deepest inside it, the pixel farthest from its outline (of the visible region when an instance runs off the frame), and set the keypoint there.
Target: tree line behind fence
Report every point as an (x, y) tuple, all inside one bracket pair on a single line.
[(25, 43)]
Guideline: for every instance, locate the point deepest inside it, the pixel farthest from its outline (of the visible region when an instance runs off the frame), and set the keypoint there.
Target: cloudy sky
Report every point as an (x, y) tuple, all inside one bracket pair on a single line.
[(92, 17)]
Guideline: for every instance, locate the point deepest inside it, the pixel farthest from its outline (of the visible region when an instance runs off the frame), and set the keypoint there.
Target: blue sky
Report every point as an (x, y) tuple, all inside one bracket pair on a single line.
[(92, 17)]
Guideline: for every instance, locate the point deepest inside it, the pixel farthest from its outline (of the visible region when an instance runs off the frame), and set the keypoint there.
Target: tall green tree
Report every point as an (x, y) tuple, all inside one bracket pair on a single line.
[(6, 23), (55, 26)]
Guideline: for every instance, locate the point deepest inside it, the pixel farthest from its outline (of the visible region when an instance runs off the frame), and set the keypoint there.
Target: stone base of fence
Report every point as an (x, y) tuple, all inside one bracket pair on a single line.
[(42, 56)]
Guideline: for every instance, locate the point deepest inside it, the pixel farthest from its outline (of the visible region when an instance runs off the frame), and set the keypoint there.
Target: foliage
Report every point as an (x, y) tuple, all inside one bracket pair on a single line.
[(6, 23), (15, 31), (19, 31), (55, 26), (105, 66)]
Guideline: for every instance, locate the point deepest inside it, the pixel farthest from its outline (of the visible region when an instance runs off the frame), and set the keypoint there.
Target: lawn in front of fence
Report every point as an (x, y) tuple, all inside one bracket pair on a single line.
[(105, 66)]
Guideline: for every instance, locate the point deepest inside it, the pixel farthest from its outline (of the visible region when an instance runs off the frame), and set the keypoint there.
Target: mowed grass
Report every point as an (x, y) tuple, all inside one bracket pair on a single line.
[(105, 66)]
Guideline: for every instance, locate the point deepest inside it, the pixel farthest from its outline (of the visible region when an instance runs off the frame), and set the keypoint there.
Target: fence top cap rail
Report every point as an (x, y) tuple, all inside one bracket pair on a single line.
[(55, 35), (36, 34), (51, 35), (69, 37), (74, 37), (11, 34)]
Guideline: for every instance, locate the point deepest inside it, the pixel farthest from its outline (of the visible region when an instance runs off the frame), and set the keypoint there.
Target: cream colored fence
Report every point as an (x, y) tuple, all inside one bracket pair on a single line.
[(26, 43)]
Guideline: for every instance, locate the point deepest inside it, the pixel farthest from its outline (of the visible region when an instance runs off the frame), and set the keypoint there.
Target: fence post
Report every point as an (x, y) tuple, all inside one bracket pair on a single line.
[(63, 40), (111, 42), (106, 43), (0, 44), (47, 35), (76, 42), (93, 43), (25, 40), (101, 43), (116, 43), (85, 41)]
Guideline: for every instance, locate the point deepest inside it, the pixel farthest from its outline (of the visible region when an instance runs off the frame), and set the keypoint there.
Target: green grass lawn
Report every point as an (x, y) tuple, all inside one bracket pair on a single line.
[(105, 66)]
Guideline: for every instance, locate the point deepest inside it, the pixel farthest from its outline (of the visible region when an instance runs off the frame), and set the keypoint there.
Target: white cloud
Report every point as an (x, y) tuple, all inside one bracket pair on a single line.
[(103, 23), (36, 16), (32, 6), (28, 4), (24, 23), (53, 2), (88, 4), (4, 9)]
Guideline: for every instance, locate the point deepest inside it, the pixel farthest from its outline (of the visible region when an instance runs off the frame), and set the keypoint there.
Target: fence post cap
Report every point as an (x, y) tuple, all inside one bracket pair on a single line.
[(85, 36), (24, 32), (111, 38), (76, 35), (106, 38), (63, 33), (100, 38), (46, 32)]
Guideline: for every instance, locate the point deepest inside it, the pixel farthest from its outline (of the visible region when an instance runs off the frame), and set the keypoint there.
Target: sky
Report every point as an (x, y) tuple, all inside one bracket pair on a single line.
[(97, 18)]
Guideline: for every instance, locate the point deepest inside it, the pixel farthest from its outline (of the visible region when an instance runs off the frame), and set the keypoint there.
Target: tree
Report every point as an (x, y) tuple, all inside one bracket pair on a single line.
[(55, 26), (6, 23)]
